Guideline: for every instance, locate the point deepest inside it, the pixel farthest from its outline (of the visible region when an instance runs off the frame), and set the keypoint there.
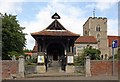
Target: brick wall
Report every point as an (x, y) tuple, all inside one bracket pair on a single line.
[(102, 67), (9, 67)]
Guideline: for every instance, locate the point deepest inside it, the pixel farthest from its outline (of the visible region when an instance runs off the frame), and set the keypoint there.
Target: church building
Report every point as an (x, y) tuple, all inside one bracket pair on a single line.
[(56, 41)]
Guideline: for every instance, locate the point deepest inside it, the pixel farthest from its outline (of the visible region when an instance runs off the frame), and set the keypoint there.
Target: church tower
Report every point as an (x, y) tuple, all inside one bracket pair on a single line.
[(97, 27)]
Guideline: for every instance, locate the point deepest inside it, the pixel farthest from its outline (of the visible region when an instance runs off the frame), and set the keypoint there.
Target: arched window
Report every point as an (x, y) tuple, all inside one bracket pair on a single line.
[(105, 56), (101, 56), (98, 28)]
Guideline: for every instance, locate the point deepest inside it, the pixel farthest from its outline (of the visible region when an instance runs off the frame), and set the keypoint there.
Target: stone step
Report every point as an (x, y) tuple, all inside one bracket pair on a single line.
[(55, 75), (53, 69), (55, 64)]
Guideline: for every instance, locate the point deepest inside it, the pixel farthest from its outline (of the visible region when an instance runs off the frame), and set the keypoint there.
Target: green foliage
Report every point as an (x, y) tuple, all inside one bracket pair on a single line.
[(115, 57), (27, 50), (31, 61), (14, 53), (79, 61), (94, 54), (13, 38)]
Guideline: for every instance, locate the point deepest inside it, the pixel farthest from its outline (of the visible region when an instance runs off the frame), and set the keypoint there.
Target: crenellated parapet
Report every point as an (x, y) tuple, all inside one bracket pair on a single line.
[(104, 19)]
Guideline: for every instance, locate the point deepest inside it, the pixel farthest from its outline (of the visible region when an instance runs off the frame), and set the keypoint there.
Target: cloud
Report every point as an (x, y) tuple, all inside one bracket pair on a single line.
[(70, 19), (112, 27), (102, 5), (10, 7)]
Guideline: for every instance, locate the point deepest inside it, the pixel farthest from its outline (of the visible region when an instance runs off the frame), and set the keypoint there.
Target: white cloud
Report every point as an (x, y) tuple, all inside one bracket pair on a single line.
[(112, 27), (105, 4), (70, 19), (10, 7), (102, 5)]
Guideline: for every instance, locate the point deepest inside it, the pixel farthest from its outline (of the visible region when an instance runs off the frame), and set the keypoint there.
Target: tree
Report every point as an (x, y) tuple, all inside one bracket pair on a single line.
[(93, 53), (116, 56), (13, 38), (27, 50)]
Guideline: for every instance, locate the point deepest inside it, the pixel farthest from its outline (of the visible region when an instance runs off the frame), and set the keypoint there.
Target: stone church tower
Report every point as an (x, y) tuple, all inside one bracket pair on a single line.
[(97, 27)]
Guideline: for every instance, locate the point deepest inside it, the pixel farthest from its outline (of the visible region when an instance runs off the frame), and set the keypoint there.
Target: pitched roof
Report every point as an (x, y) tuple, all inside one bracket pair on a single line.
[(35, 48), (55, 33), (29, 53), (86, 39), (55, 29), (111, 38), (55, 25)]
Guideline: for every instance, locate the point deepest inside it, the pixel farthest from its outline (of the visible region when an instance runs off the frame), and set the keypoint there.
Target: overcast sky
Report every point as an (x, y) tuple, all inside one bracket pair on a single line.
[(35, 15)]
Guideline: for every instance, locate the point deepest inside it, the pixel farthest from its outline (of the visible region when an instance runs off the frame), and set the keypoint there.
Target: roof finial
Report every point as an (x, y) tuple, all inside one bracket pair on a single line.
[(94, 12), (55, 16)]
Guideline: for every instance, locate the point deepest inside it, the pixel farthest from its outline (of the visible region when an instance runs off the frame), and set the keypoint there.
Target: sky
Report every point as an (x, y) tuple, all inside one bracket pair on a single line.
[(35, 15)]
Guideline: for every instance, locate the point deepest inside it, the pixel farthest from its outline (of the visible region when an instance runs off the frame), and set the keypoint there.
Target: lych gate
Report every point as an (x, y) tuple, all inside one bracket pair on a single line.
[(56, 43), (55, 51)]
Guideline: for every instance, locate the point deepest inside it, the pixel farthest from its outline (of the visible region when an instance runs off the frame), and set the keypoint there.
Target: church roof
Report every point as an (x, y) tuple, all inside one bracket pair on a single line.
[(55, 25), (111, 38), (55, 29), (86, 39), (35, 49)]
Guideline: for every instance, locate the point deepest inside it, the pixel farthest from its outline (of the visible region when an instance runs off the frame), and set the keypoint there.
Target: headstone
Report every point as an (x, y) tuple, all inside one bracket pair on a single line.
[(13, 57)]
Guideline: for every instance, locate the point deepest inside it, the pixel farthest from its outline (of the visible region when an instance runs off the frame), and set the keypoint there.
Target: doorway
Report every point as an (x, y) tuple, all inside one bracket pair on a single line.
[(55, 55), (55, 51)]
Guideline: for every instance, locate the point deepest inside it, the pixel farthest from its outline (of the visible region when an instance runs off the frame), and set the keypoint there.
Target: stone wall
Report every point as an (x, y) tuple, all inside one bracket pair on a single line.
[(90, 26), (30, 69), (100, 67), (9, 67)]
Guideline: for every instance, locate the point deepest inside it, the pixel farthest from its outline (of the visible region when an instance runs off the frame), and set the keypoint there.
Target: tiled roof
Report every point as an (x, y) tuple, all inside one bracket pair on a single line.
[(29, 53), (35, 49), (86, 39), (55, 29), (54, 33), (111, 38)]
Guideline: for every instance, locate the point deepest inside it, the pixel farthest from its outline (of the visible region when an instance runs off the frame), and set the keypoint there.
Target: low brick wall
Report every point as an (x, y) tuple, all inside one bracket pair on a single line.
[(103, 67), (9, 67)]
